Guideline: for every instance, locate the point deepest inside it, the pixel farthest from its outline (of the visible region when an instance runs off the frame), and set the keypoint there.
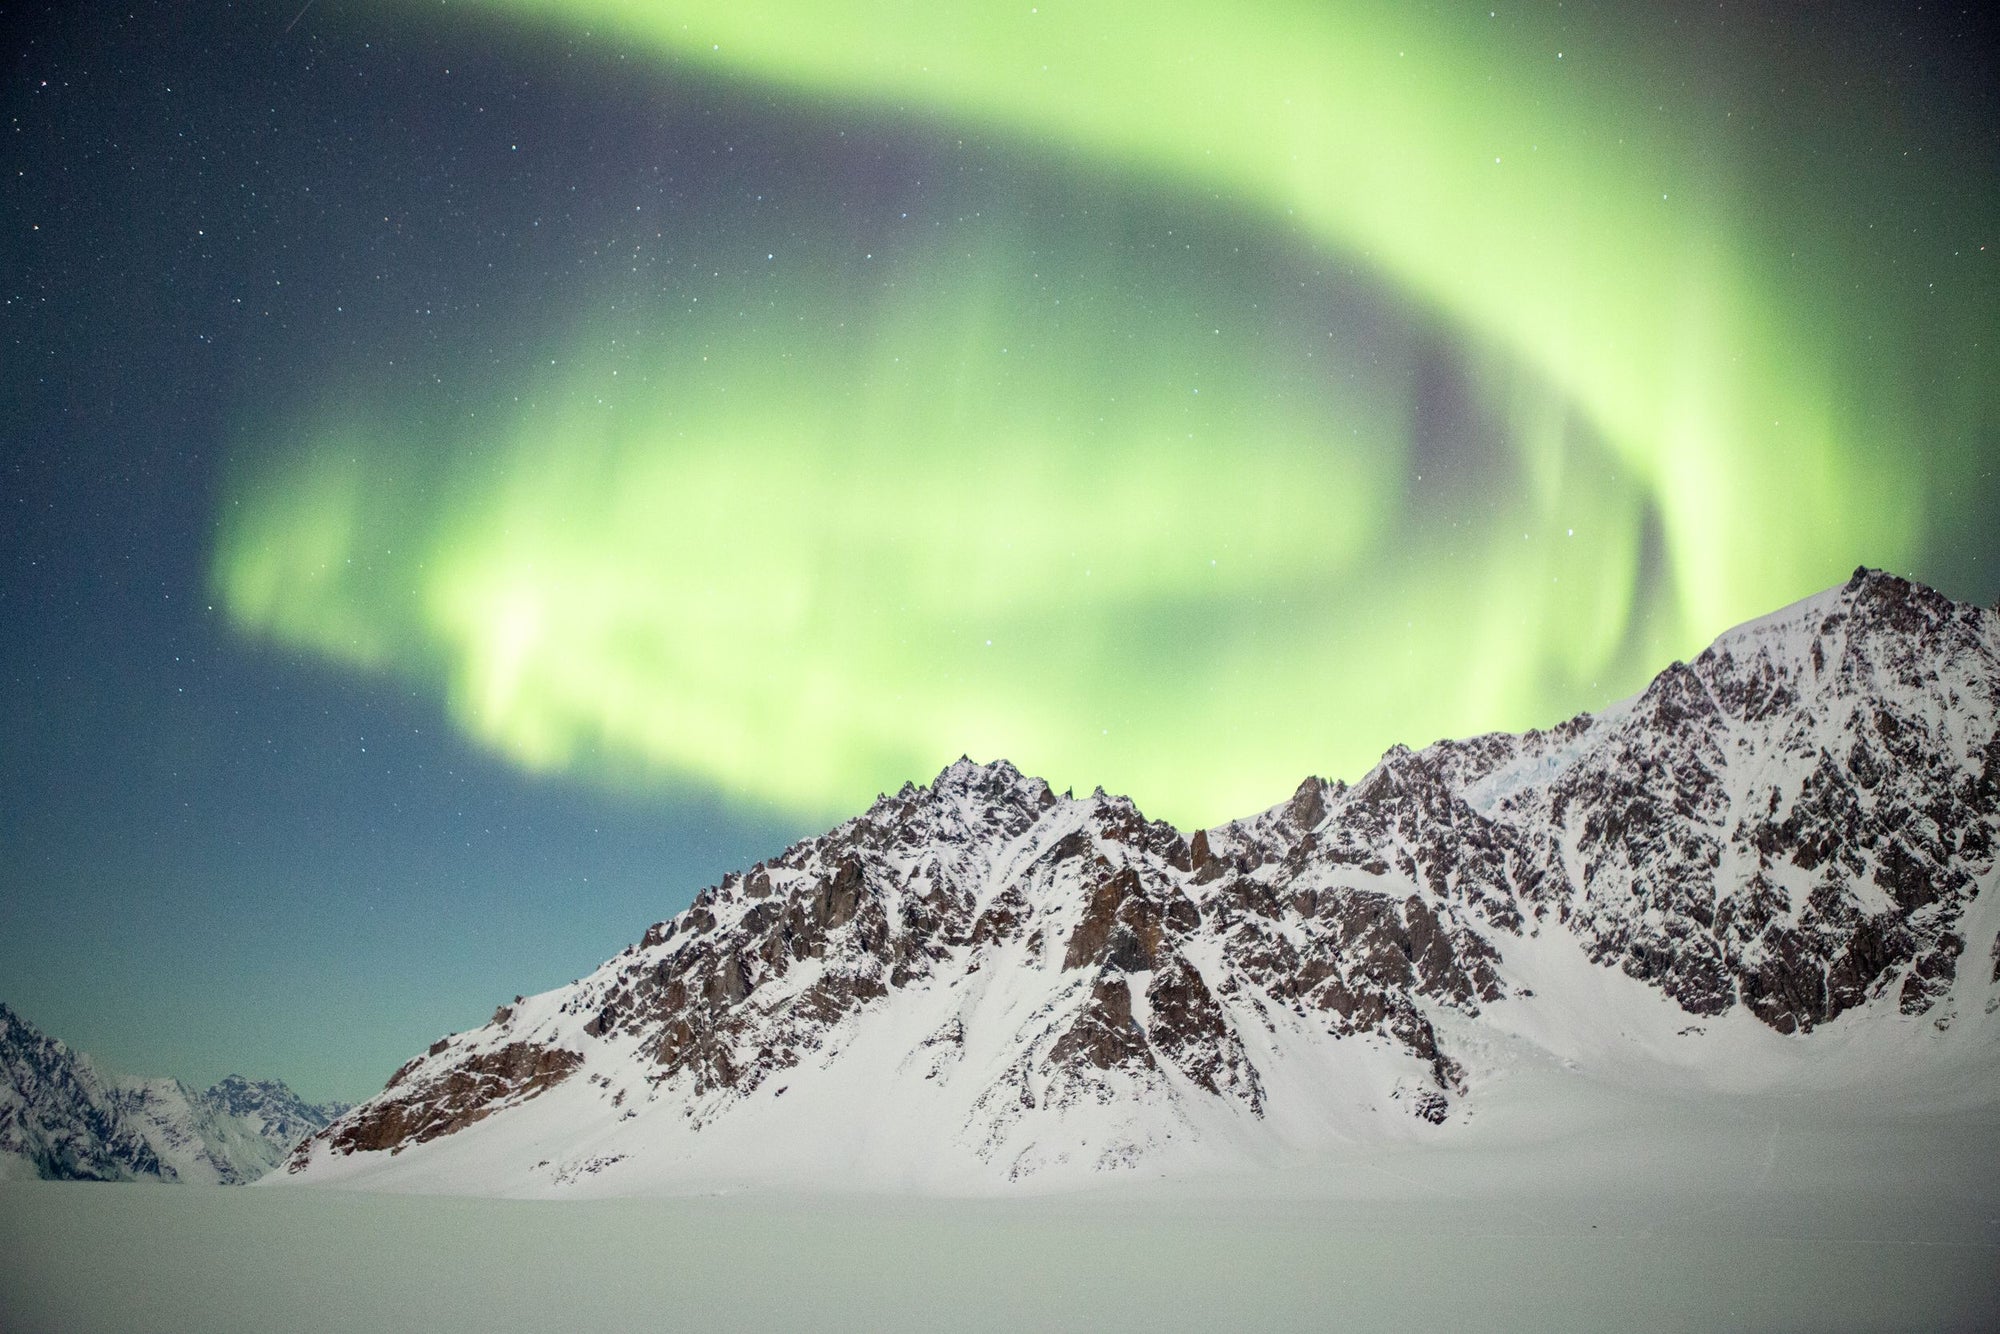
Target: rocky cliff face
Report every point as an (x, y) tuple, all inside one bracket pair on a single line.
[(1793, 821), (1792, 825), (60, 1119)]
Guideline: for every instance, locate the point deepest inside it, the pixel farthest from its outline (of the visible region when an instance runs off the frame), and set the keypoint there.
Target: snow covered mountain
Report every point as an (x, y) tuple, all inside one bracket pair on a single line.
[(979, 981), (61, 1119)]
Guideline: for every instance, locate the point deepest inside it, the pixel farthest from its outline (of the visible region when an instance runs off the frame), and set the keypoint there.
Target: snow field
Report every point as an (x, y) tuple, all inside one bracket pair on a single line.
[(1629, 1211)]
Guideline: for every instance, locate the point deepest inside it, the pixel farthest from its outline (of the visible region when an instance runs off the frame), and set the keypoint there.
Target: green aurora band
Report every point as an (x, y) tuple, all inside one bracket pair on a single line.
[(1137, 542)]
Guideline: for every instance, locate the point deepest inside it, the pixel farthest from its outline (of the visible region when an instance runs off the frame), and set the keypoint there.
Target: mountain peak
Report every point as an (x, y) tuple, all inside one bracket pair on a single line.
[(994, 788), (966, 769), (966, 774)]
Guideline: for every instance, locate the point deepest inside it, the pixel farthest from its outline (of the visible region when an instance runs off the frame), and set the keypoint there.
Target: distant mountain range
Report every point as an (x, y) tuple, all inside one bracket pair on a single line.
[(982, 980), (62, 1120)]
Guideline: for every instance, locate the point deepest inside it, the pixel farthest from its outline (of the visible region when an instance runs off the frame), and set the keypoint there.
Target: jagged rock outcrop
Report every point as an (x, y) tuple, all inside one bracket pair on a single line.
[(1793, 821), (468, 1091), (1792, 824), (60, 1119)]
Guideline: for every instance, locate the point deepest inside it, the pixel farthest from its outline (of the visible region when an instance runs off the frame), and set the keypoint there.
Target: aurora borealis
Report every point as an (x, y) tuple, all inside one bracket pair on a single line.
[(812, 554), (479, 471), (1156, 521)]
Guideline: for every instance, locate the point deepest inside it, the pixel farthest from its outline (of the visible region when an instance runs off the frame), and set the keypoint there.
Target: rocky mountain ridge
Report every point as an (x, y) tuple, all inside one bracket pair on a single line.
[(1791, 826), (61, 1119)]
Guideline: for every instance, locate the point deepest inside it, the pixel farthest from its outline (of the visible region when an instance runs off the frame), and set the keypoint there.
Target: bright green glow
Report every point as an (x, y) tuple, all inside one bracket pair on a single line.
[(1595, 252), (820, 554), (809, 556)]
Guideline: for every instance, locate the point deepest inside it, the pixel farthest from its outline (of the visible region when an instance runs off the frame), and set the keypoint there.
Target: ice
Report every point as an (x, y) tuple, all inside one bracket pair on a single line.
[(1567, 1205)]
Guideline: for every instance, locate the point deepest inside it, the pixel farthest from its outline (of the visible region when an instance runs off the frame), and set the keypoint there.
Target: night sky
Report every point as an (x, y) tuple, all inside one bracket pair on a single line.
[(475, 472)]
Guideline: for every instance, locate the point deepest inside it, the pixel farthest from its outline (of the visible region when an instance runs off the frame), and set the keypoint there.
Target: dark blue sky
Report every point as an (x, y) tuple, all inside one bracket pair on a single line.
[(215, 856)]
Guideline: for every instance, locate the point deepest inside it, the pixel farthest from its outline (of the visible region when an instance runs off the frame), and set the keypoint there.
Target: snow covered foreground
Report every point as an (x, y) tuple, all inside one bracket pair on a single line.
[(1567, 1205)]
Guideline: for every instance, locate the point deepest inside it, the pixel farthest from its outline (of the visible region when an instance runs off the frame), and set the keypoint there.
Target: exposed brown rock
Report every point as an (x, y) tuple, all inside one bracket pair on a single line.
[(1189, 1029), (1308, 804), (474, 1088), (1104, 1035), (1126, 925)]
